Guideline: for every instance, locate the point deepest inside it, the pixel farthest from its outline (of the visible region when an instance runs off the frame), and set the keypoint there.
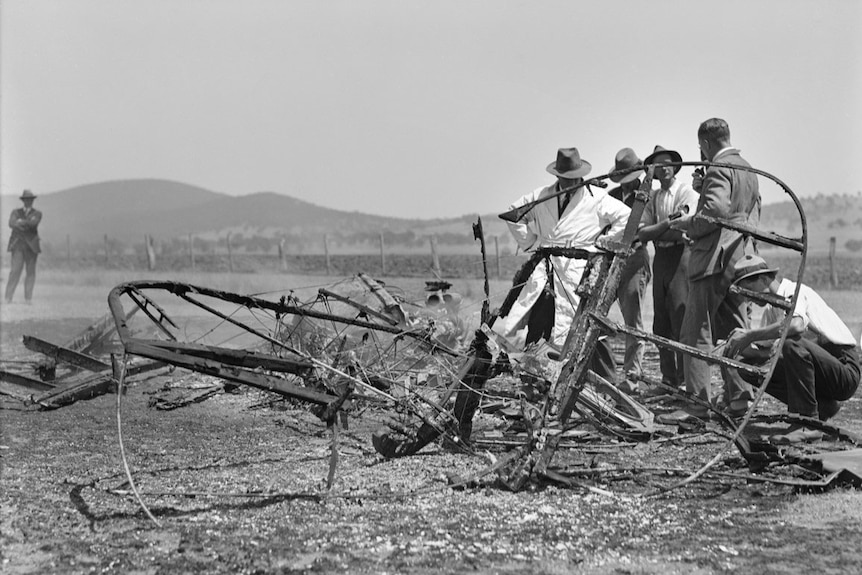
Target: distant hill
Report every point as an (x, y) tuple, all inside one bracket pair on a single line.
[(126, 210)]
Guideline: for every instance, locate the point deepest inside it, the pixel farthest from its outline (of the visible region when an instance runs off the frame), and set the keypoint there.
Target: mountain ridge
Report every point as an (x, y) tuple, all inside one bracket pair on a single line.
[(126, 210)]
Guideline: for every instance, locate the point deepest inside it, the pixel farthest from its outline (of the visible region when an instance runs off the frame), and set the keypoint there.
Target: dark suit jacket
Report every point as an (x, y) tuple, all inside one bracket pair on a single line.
[(25, 234), (729, 194)]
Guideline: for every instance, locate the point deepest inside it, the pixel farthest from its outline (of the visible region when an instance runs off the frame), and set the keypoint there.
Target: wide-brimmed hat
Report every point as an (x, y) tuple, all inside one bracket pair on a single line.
[(674, 157), (28, 195), (749, 266), (569, 164), (625, 159)]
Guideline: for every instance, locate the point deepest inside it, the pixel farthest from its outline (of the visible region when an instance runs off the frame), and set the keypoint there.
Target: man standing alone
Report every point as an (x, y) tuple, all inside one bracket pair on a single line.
[(24, 246), (711, 311)]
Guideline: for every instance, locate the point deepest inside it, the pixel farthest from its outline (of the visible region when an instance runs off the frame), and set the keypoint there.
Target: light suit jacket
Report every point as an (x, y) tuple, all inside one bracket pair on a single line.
[(732, 195), (25, 234), (588, 214)]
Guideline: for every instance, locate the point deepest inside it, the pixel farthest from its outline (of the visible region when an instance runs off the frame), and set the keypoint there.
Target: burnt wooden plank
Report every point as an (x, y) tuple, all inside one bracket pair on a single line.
[(763, 297), (231, 373), (66, 355), (23, 380), (91, 386), (238, 357)]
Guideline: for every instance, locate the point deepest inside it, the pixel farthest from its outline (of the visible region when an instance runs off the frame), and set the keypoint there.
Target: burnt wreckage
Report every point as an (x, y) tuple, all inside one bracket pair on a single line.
[(359, 345), (365, 344)]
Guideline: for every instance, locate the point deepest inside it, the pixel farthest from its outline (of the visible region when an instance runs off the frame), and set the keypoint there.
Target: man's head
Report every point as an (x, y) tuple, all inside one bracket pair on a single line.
[(627, 159), (712, 136), (662, 155), (751, 272), (27, 197)]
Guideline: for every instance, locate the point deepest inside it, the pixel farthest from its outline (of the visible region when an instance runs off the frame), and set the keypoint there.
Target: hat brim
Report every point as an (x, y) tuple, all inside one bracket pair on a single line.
[(675, 157), (628, 177), (27, 197), (750, 275), (585, 169)]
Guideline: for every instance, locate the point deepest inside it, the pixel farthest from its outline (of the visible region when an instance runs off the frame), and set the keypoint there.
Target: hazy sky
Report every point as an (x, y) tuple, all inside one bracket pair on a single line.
[(419, 109)]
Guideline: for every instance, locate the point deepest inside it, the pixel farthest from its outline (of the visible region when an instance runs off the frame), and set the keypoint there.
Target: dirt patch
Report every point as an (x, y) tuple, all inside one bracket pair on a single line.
[(237, 485)]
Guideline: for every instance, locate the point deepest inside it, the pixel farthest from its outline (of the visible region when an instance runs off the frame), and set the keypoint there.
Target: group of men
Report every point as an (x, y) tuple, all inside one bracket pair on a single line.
[(695, 263)]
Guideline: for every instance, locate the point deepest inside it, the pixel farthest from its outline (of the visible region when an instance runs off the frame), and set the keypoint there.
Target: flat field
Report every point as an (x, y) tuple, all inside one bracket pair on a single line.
[(250, 471)]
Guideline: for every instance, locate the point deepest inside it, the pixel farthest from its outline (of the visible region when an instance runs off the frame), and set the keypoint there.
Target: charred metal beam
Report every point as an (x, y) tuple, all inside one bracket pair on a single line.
[(143, 304), (363, 308), (676, 346), (768, 237)]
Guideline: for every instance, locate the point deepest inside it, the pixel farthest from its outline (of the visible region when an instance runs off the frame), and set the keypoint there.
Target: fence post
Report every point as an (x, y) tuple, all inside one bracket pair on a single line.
[(497, 254), (382, 257), (833, 273), (282, 257), (151, 253), (191, 252), (229, 254), (68, 251), (435, 261), (107, 251), (326, 254)]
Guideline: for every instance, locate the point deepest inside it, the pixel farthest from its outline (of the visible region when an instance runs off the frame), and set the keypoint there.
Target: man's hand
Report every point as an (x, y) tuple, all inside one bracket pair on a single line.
[(697, 179), (681, 223), (737, 340), (605, 243)]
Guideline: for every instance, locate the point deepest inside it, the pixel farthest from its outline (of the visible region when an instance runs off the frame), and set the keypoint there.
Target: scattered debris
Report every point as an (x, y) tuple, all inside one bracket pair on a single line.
[(359, 345)]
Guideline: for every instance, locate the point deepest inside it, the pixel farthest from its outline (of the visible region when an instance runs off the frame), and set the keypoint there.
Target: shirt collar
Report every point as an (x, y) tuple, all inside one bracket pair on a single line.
[(723, 150)]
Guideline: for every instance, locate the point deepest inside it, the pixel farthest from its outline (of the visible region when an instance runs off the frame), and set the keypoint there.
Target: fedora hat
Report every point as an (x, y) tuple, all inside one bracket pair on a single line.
[(674, 157), (28, 195), (569, 164), (626, 158), (749, 266)]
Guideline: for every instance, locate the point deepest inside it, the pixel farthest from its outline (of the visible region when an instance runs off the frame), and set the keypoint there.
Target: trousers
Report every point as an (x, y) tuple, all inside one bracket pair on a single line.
[(711, 313), (22, 259), (634, 279), (670, 292), (808, 372)]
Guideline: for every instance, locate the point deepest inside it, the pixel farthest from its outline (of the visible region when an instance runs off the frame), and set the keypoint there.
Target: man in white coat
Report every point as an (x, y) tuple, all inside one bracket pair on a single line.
[(553, 230)]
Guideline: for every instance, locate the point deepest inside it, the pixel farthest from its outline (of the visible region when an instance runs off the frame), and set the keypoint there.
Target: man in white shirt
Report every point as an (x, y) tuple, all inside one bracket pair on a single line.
[(673, 199), (818, 365)]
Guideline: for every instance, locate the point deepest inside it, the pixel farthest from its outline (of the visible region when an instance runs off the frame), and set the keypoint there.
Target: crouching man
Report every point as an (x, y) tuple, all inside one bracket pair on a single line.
[(818, 365)]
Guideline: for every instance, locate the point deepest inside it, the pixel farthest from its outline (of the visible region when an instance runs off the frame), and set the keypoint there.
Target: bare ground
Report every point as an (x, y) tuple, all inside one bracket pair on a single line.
[(252, 475)]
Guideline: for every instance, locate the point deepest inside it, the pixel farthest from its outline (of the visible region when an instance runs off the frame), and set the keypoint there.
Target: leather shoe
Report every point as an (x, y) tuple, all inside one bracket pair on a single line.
[(737, 409), (655, 391), (628, 387), (797, 434), (827, 408), (681, 416)]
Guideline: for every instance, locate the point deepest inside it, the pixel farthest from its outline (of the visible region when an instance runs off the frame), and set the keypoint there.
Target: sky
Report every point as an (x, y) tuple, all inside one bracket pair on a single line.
[(419, 109)]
